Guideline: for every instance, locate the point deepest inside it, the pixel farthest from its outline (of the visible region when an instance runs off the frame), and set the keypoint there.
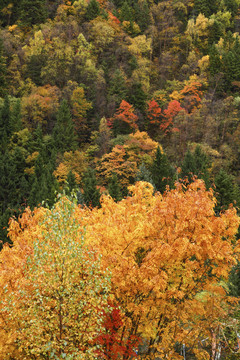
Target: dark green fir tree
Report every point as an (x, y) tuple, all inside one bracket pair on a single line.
[(126, 12), (117, 90), (137, 97), (3, 82), (71, 183), (195, 164), (224, 190), (16, 116), (91, 193), (114, 188), (162, 172), (142, 14), (144, 174), (33, 12), (93, 10), (64, 137), (188, 167)]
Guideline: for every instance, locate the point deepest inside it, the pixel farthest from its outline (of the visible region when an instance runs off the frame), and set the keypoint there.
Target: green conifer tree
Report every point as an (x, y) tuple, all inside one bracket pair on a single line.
[(137, 97), (44, 184), (202, 165), (144, 174), (6, 127), (114, 188), (215, 65), (64, 136), (93, 10), (195, 164), (117, 90), (126, 13), (162, 172), (3, 83), (71, 183), (33, 12), (16, 117), (224, 190), (188, 167), (142, 14), (205, 7), (91, 194)]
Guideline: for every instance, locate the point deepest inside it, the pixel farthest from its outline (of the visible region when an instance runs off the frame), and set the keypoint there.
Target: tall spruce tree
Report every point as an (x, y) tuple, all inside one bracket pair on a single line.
[(162, 172), (71, 183), (142, 14), (91, 194), (144, 174), (93, 10), (33, 12), (64, 136), (3, 82), (44, 184), (195, 164), (224, 190), (114, 188)]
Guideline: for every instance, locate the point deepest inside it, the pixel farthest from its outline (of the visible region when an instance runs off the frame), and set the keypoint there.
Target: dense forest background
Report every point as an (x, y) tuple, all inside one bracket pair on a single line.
[(90, 90)]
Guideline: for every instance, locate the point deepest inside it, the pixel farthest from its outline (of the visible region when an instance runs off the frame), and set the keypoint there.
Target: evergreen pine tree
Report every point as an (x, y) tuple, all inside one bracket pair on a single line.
[(216, 31), (16, 118), (234, 281), (93, 10), (205, 7), (137, 97), (33, 12), (232, 6), (224, 190), (3, 83), (44, 184), (162, 172), (142, 14), (188, 168), (202, 165), (5, 123), (195, 164), (37, 139), (114, 188), (70, 183), (126, 13), (144, 174), (117, 89), (91, 194), (229, 69), (215, 63), (64, 136)]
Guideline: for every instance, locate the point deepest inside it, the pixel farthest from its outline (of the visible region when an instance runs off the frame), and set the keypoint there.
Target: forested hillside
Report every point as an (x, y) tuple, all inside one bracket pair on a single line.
[(91, 89), (98, 95)]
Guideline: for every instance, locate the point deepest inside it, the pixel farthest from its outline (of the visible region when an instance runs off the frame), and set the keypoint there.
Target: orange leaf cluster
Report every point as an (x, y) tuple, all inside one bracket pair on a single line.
[(125, 113)]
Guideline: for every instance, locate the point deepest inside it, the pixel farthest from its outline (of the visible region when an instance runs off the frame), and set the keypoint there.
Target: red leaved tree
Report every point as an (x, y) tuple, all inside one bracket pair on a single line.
[(125, 121)]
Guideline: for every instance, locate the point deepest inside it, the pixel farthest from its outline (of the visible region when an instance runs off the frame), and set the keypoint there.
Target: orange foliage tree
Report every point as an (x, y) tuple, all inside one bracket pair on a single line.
[(125, 120), (154, 112), (167, 255), (124, 160), (192, 93), (172, 110)]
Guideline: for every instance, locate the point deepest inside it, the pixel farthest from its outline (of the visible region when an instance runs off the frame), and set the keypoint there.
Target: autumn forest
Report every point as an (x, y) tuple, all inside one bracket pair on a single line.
[(119, 179)]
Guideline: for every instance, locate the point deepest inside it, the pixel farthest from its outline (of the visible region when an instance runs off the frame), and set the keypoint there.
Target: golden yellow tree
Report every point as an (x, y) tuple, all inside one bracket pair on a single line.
[(54, 294), (167, 255)]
